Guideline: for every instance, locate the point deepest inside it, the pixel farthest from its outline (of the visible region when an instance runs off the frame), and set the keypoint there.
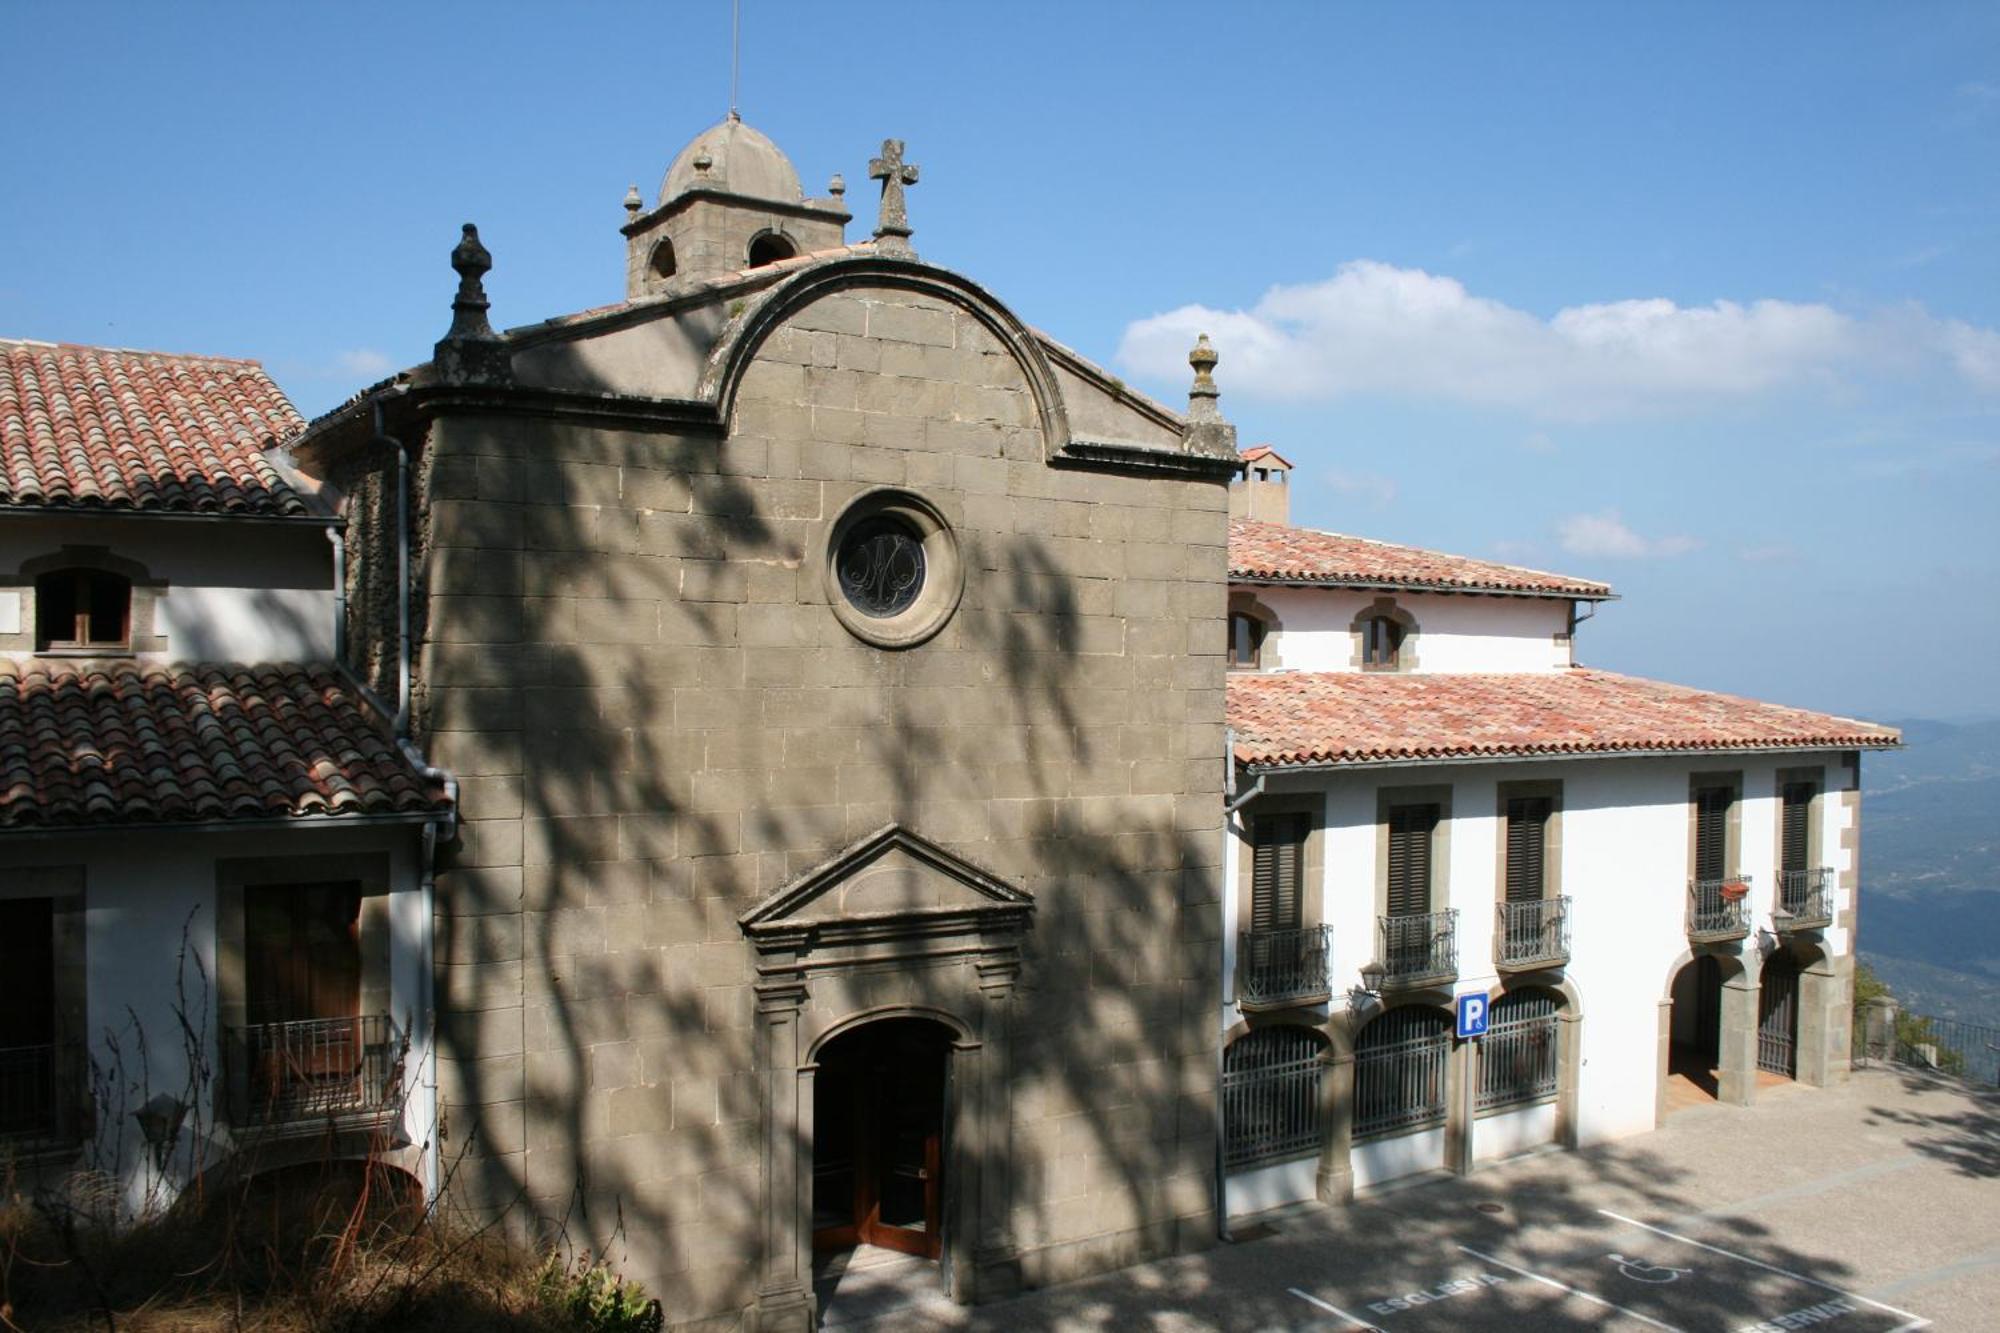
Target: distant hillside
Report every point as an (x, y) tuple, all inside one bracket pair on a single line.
[(1930, 862)]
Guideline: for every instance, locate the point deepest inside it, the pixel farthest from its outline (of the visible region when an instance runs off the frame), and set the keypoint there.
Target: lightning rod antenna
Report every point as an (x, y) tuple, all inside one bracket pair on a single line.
[(735, 53)]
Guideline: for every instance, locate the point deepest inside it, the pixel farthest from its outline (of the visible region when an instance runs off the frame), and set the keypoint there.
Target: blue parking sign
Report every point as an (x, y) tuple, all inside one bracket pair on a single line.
[(1471, 1015)]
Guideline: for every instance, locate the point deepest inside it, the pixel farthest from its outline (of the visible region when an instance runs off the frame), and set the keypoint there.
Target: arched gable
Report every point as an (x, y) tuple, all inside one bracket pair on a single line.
[(768, 310)]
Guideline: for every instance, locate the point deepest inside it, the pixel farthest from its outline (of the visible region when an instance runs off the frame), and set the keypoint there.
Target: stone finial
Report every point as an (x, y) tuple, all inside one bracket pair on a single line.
[(1207, 432), (1202, 396), (633, 203), (837, 187), (892, 231), (470, 351)]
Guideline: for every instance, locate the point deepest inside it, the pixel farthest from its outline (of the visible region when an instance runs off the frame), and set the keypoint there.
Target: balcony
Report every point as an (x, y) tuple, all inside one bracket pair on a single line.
[(1718, 909), (1528, 935), (1275, 968), (1805, 899), (39, 1088), (1419, 950), (316, 1070)]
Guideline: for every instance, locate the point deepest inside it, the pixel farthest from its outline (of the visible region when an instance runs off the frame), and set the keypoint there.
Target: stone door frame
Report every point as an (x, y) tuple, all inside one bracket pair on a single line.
[(820, 974)]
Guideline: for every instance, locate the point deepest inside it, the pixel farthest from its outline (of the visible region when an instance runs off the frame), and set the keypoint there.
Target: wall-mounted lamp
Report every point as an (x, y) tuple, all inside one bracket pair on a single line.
[(160, 1125)]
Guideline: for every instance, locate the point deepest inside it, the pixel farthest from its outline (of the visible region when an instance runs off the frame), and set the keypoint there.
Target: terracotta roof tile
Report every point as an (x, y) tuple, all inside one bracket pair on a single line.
[(193, 744), (1279, 552), (1330, 718), (101, 428)]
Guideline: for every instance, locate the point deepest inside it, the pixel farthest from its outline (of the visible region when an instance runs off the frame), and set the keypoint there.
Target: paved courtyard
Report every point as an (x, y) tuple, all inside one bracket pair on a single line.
[(1871, 1206)]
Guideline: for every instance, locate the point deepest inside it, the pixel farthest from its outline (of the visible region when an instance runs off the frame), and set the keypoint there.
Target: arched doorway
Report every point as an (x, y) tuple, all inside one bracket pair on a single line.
[(1778, 1017), (1695, 1056), (878, 1138)]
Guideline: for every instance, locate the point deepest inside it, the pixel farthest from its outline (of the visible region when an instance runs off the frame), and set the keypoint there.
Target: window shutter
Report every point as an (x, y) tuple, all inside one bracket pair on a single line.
[(1796, 852), (1527, 845), (1711, 833), (1410, 828), (302, 952), (1277, 871)]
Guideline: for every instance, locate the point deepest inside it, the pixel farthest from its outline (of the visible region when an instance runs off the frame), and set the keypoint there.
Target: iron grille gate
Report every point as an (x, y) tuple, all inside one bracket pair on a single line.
[(1271, 1095), (1399, 1071), (1517, 1057), (1778, 1018)]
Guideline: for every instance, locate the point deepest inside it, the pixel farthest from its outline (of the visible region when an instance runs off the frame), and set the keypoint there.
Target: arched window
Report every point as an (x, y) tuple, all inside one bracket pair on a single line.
[(1518, 1063), (82, 610), (1381, 643), (663, 259), (1271, 1095), (1246, 641), (769, 247), (1399, 1071)]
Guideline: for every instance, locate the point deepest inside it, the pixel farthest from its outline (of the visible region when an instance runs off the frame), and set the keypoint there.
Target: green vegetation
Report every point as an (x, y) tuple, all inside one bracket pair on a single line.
[(1914, 1032)]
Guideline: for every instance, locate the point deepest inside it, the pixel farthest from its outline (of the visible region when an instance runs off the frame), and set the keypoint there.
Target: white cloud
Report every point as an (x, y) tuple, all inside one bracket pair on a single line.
[(1538, 442), (1379, 491), (1607, 535), (363, 361), (1374, 328)]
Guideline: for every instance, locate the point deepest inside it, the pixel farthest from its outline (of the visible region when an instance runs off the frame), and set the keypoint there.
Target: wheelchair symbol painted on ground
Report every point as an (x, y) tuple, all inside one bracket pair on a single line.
[(1641, 1271)]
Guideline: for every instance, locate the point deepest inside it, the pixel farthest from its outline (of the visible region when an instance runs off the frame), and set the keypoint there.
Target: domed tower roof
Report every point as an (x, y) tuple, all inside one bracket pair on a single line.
[(736, 159)]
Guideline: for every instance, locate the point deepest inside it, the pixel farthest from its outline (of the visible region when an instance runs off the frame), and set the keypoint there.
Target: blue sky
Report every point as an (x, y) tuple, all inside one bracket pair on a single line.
[(1699, 299)]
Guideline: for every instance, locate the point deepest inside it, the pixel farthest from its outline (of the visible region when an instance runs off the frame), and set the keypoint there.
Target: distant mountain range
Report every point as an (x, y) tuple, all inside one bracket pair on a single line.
[(1930, 868)]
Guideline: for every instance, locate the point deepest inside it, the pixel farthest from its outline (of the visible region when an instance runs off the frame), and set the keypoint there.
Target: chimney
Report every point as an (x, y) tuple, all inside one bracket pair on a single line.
[(1262, 493)]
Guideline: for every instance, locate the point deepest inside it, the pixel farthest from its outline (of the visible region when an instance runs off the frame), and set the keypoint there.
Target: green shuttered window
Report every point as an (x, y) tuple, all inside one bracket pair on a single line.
[(1278, 869), (1410, 830), (1527, 847)]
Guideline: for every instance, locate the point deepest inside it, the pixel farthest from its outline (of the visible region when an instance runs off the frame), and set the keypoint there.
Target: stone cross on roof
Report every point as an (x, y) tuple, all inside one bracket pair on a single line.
[(892, 231)]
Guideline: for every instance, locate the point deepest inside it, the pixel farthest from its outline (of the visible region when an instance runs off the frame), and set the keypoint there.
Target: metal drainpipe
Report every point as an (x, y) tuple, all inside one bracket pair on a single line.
[(402, 569), (339, 540), (447, 825)]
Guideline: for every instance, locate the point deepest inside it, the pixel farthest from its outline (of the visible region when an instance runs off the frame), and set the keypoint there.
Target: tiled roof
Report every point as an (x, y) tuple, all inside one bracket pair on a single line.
[(1327, 718), (1277, 551), (192, 744), (100, 428), (1257, 453)]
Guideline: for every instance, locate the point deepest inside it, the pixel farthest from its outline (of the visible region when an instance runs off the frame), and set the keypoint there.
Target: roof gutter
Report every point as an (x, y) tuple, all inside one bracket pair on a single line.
[(1329, 765), (33, 832), (173, 516), (1240, 579)]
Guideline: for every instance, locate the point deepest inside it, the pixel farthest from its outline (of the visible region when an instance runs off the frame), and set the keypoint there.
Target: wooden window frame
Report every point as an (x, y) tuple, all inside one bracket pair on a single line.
[(1550, 791), (1387, 801)]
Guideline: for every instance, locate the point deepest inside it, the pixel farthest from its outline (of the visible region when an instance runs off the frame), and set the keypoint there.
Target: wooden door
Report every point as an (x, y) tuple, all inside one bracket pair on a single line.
[(878, 1140)]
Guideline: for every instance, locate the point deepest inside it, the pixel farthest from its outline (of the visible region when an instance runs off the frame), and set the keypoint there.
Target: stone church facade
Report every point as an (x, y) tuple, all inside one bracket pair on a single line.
[(832, 669)]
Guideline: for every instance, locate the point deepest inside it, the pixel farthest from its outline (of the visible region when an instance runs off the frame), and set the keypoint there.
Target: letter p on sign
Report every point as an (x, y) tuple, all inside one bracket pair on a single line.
[(1471, 1016)]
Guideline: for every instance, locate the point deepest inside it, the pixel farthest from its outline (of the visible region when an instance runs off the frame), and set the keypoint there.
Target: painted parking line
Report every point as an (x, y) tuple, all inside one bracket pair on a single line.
[(1806, 1315), (1360, 1325), (1592, 1297)]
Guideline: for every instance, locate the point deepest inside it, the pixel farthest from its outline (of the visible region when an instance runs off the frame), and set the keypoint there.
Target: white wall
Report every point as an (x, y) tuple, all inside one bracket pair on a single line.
[(1455, 632), (236, 592), (1264, 1187), (150, 901), (1624, 866)]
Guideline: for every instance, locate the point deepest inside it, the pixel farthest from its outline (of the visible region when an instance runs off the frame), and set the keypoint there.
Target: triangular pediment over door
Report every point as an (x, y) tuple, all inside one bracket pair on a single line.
[(890, 884)]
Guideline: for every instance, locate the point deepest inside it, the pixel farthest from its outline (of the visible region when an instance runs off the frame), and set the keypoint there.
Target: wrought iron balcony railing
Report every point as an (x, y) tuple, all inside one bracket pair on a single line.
[(1531, 934), (1805, 899), (1421, 948), (1275, 967), (1719, 909), (40, 1093), (316, 1069)]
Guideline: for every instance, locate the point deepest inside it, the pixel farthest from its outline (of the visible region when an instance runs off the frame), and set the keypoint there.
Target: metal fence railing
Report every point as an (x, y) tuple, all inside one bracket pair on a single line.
[(1948, 1046), (1420, 948), (1518, 1062), (1271, 1095), (1530, 934), (1400, 1060), (315, 1068), (1719, 909), (1805, 899), (1276, 966)]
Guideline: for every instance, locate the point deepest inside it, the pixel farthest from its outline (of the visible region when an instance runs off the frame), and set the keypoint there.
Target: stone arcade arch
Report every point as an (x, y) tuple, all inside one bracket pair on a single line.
[(1526, 1071), (1708, 1029), (894, 949)]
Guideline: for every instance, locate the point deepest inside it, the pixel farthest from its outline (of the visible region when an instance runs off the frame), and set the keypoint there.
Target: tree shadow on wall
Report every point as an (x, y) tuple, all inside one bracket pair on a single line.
[(675, 757)]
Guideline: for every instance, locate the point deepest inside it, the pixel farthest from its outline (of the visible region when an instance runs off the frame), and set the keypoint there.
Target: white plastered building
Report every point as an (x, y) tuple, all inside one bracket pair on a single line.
[(1650, 889)]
